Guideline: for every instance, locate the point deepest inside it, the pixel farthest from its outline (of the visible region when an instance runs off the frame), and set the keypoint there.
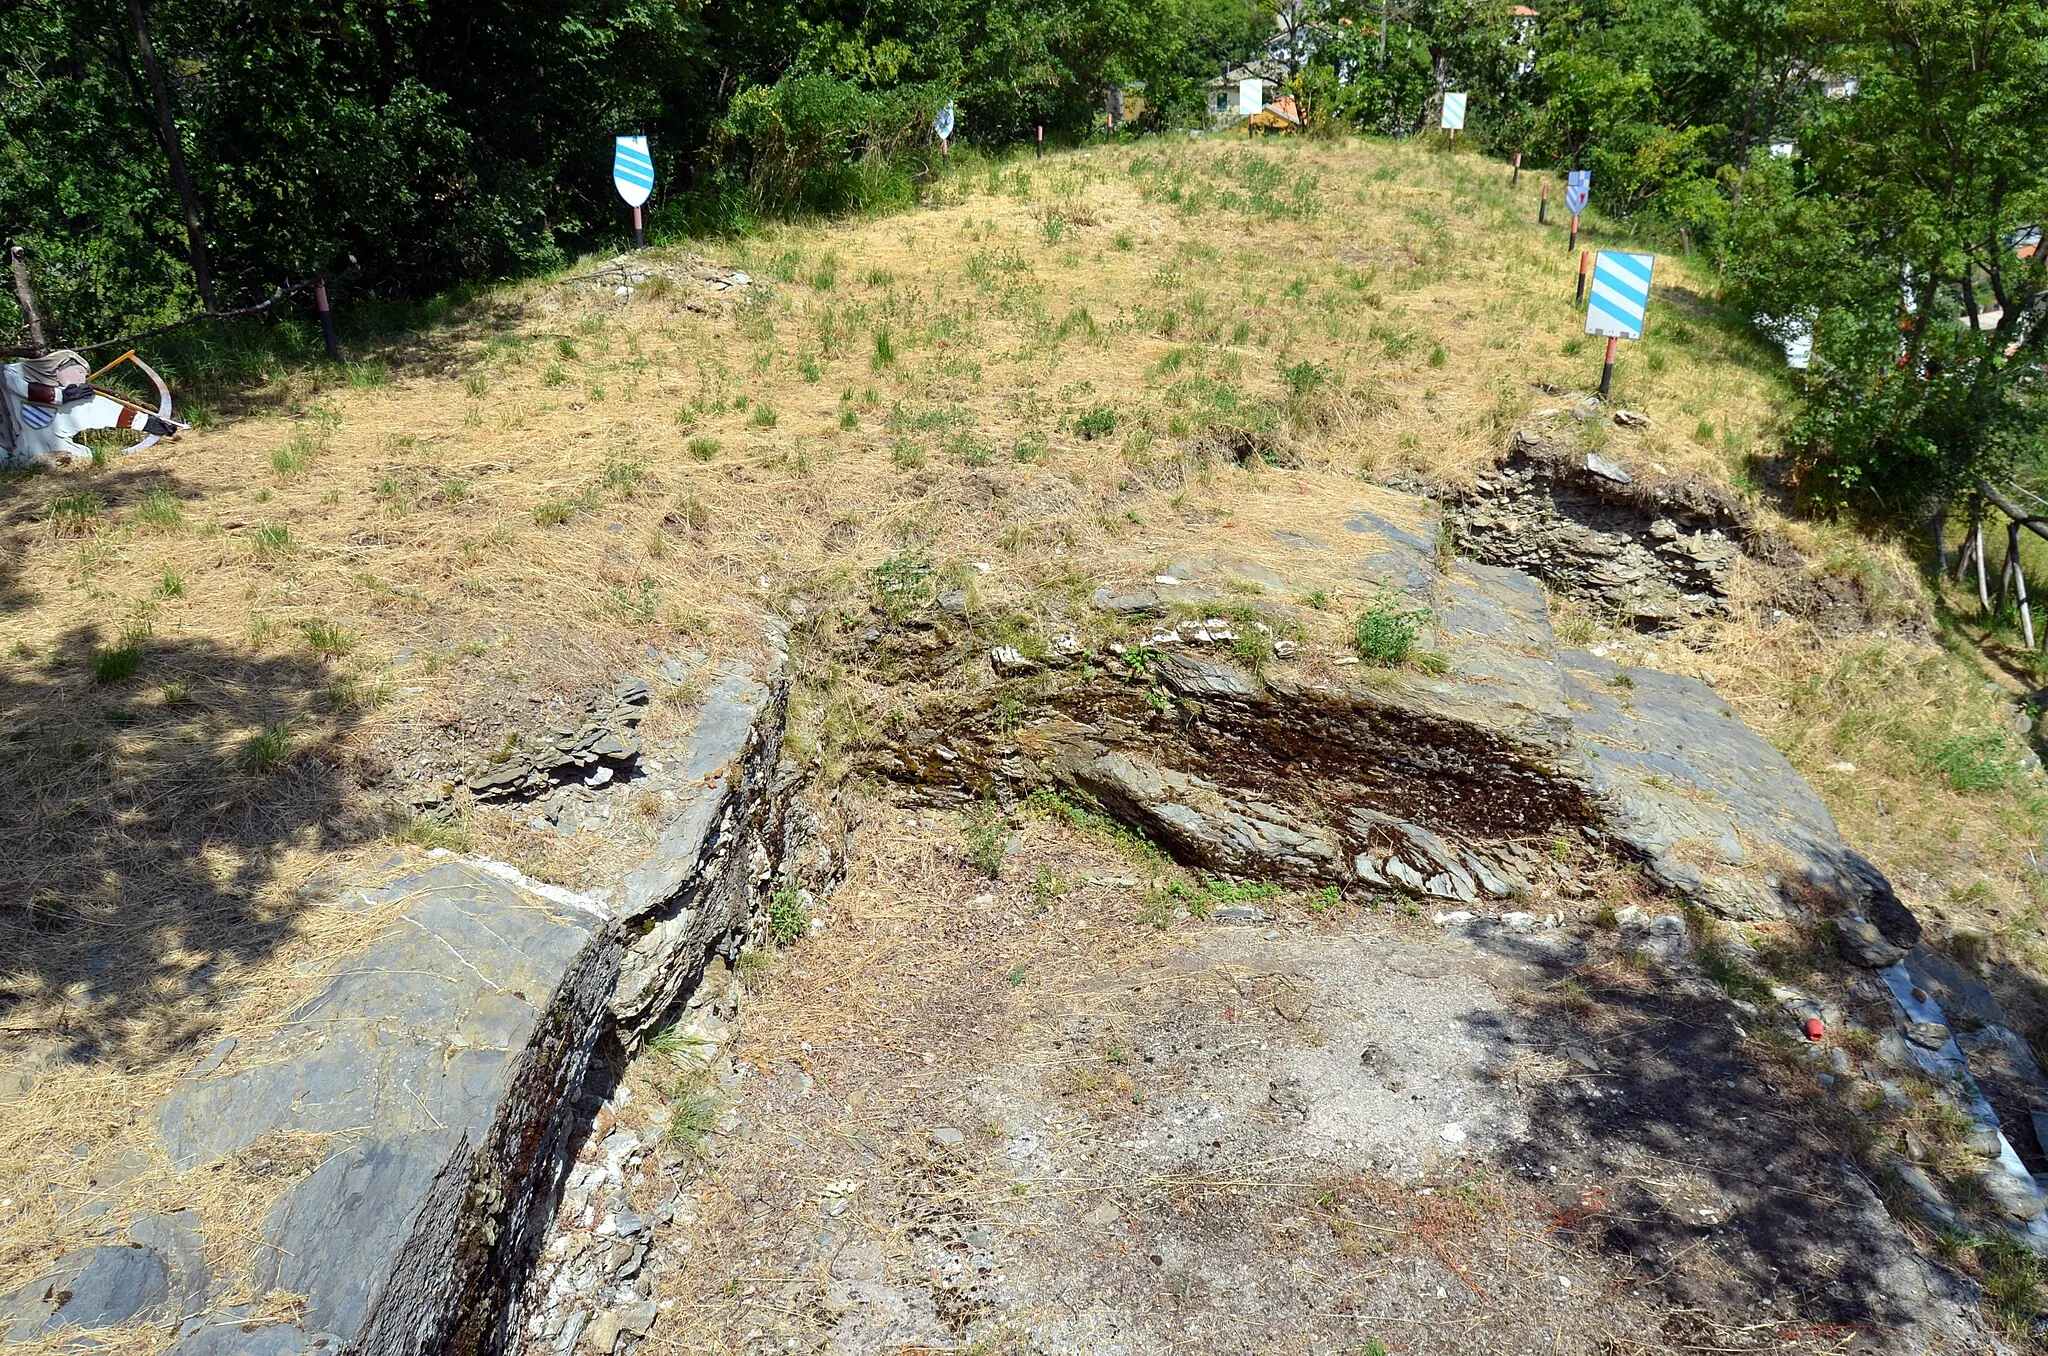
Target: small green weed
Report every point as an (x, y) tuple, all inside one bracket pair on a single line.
[(622, 475), (269, 747), (1979, 761), (788, 919), (75, 515), (120, 661), (703, 449), (328, 639), (1099, 422), (430, 831), (271, 540), (983, 829), (903, 583), (159, 510)]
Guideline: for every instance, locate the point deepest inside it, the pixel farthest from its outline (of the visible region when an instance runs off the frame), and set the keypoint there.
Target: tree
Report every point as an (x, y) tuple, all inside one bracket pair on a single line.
[(1895, 236)]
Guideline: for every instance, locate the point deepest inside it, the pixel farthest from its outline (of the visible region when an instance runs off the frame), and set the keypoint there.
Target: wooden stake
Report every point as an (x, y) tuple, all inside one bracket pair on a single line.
[(639, 231), (1977, 549), (1041, 141), (2019, 581), (1543, 207), (1573, 243), (326, 317), (1579, 297), (1607, 376), (1517, 180)]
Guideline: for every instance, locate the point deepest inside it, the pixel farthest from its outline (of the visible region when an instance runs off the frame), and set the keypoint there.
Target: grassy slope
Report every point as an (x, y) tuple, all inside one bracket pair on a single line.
[(560, 477)]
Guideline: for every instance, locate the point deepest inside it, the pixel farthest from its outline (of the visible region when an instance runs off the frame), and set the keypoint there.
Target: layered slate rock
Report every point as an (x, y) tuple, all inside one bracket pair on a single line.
[(1437, 776), (1682, 780), (431, 1083), (604, 745), (1654, 553), (436, 1067)]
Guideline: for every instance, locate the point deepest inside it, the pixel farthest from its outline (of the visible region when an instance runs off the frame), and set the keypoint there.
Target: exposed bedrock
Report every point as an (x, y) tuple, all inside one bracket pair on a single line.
[(1448, 778), (431, 1087)]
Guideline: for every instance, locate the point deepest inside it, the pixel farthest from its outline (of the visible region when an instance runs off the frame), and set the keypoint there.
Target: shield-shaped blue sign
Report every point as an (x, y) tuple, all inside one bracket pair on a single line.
[(1578, 187), (943, 124), (633, 170)]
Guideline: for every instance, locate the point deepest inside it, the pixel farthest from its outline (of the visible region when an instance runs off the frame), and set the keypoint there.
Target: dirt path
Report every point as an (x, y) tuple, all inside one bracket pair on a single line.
[(1016, 1118)]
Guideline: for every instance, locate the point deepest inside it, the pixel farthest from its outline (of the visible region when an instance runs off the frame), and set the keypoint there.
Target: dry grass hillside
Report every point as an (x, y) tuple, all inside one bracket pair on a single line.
[(221, 660)]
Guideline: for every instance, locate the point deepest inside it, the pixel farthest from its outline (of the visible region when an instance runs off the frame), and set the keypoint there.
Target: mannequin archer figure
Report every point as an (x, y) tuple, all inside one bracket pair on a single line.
[(45, 402)]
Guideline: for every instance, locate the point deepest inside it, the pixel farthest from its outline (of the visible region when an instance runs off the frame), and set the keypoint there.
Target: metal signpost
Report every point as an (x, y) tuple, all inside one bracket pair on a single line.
[(1578, 188), (633, 175), (1454, 118), (1617, 302)]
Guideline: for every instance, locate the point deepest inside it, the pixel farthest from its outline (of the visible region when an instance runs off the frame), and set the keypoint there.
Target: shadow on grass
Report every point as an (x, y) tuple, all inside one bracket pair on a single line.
[(145, 818)]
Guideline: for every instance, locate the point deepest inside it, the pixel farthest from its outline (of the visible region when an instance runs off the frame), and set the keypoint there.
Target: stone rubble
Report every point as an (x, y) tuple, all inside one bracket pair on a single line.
[(603, 746), (706, 287), (1583, 524)]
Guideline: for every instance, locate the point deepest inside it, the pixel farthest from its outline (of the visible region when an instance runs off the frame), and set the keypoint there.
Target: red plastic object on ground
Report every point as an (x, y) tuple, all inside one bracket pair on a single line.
[(1814, 1030)]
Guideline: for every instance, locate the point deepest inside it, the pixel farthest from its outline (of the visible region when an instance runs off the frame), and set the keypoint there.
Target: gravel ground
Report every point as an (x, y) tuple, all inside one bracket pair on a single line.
[(1013, 1117)]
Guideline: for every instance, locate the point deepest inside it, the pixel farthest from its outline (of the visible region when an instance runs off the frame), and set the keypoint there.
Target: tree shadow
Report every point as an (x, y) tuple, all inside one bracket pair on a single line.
[(1714, 1174), (146, 816), (28, 495)]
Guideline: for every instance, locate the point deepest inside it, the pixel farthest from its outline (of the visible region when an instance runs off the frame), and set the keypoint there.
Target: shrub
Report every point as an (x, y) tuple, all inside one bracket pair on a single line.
[(1386, 632), (816, 143), (1099, 422)]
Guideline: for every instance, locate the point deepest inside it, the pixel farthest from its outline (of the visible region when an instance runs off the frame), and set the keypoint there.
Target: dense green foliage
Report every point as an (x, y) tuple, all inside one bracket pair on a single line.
[(1895, 235), (410, 147)]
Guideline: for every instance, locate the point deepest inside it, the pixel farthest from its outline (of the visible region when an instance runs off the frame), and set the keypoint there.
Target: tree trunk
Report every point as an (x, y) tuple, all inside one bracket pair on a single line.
[(25, 293), (174, 151)]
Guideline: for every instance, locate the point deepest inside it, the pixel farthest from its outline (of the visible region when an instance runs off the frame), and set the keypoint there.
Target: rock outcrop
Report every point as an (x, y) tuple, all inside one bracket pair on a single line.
[(1657, 554), (424, 1103), (1449, 778)]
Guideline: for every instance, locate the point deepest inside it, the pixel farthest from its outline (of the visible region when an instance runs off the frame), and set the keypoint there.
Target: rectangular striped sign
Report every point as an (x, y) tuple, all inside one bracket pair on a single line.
[(1454, 111), (1620, 295), (1251, 97), (633, 170)]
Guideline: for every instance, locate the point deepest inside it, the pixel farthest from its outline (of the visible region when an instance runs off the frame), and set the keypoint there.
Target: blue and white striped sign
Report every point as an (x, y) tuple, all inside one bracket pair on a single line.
[(1620, 294), (1578, 187), (1454, 111), (633, 170)]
